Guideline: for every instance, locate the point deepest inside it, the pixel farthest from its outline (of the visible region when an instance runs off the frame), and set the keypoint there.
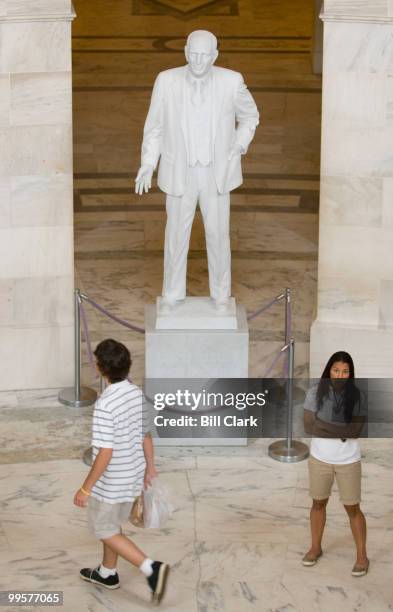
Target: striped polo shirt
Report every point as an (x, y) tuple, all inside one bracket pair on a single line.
[(120, 423)]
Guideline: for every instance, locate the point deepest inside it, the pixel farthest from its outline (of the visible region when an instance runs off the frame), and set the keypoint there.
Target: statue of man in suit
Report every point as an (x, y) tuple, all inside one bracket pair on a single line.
[(201, 119)]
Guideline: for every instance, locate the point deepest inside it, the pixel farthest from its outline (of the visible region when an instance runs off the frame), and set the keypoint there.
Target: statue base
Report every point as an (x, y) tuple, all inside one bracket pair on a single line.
[(196, 351), (197, 313)]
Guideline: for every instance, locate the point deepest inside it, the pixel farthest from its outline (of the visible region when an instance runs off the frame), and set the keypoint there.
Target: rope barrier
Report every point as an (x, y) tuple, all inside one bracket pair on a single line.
[(266, 307), (86, 333), (72, 396), (275, 360), (105, 312)]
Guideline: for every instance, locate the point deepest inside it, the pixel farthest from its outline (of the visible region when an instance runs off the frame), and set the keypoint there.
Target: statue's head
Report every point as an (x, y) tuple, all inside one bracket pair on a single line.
[(201, 52)]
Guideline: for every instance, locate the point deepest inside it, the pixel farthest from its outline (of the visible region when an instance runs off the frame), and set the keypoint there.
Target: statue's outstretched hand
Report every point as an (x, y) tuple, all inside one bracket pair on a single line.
[(143, 179)]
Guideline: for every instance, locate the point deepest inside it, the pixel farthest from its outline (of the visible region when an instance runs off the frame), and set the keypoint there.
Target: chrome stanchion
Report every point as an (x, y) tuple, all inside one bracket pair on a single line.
[(77, 396), (287, 328), (287, 307), (289, 450), (297, 393)]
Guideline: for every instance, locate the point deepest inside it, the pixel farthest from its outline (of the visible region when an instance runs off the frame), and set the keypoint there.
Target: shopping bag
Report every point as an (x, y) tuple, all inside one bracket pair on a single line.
[(136, 514), (157, 505)]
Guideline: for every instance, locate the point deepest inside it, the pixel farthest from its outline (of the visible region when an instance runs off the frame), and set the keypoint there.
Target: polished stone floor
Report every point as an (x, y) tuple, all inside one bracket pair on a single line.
[(118, 50), (234, 542)]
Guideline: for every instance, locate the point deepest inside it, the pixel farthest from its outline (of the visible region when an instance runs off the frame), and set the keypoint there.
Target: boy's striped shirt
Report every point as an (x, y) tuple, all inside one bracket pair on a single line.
[(120, 422)]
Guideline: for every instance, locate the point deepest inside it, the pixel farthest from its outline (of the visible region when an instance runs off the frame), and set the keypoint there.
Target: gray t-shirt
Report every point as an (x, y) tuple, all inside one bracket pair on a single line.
[(334, 450)]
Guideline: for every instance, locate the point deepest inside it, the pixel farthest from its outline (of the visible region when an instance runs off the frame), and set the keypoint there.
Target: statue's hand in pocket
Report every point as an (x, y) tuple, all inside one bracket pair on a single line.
[(236, 149)]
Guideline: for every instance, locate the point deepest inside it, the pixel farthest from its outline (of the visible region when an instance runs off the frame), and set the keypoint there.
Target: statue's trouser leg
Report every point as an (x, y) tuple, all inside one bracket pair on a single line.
[(180, 215), (215, 211)]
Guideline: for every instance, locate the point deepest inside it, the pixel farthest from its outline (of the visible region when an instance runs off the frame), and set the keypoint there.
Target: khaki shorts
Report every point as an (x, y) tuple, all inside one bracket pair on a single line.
[(104, 520), (348, 478)]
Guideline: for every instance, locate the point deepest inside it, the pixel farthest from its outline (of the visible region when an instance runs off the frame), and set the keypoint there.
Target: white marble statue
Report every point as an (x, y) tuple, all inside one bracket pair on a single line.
[(201, 120)]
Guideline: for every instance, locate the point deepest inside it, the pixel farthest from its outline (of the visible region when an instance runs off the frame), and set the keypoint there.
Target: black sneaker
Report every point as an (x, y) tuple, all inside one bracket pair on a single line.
[(92, 575), (157, 581)]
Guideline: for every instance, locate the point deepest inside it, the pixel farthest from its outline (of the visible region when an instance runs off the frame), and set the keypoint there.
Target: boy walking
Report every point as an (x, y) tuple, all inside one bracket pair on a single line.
[(123, 464)]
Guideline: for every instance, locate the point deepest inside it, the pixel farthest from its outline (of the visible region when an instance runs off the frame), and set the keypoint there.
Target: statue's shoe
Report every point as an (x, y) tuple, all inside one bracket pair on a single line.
[(222, 305), (167, 306)]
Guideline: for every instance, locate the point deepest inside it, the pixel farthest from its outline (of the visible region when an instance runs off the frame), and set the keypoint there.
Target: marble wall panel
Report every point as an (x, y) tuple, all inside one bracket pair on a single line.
[(38, 7), (34, 357), (351, 150), (35, 252), (362, 47), (352, 253), (4, 161), (357, 8), (351, 201), (357, 98), (6, 301), (35, 47), (41, 200), (5, 202), (370, 347), (39, 301), (4, 99), (390, 100), (35, 302), (387, 214), (349, 301), (40, 99), (3, 8), (386, 303), (37, 150)]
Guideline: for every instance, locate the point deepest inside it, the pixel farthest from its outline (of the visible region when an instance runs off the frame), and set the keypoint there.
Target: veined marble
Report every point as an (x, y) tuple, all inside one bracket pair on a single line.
[(233, 543), (36, 234), (355, 236)]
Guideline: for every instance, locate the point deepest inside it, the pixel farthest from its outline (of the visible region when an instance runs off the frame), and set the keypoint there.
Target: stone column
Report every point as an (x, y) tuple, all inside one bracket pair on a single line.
[(355, 275), (36, 216)]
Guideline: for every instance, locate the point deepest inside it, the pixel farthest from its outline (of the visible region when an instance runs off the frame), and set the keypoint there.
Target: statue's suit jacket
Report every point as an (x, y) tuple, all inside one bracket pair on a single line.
[(233, 120)]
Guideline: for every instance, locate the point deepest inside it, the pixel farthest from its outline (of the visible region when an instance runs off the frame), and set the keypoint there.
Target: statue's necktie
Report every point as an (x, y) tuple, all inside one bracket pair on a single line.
[(197, 92)]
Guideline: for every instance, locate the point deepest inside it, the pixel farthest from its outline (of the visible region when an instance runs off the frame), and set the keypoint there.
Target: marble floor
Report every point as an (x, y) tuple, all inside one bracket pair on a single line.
[(118, 49), (234, 543)]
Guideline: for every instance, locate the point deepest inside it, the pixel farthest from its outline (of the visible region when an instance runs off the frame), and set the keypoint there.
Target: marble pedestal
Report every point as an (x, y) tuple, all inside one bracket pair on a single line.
[(196, 353)]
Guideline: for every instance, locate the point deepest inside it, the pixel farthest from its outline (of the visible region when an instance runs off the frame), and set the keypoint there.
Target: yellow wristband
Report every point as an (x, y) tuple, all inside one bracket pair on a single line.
[(84, 492)]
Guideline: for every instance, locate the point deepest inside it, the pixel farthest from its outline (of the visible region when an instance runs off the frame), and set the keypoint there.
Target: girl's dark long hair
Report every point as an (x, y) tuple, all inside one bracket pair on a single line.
[(351, 392)]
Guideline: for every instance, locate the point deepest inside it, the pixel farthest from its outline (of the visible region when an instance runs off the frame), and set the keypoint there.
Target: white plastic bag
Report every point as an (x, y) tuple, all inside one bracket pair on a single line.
[(157, 507)]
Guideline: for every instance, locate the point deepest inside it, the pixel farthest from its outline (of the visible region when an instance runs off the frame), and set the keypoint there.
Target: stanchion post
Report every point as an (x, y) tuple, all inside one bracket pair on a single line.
[(77, 396), (289, 450), (287, 330), (77, 345), (287, 307), (291, 368)]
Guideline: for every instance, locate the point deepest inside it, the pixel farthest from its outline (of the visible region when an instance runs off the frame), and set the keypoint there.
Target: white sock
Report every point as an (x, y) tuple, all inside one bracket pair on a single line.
[(146, 568), (105, 572)]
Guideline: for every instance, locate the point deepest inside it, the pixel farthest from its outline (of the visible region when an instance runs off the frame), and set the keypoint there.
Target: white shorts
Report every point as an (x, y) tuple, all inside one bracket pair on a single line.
[(104, 520)]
